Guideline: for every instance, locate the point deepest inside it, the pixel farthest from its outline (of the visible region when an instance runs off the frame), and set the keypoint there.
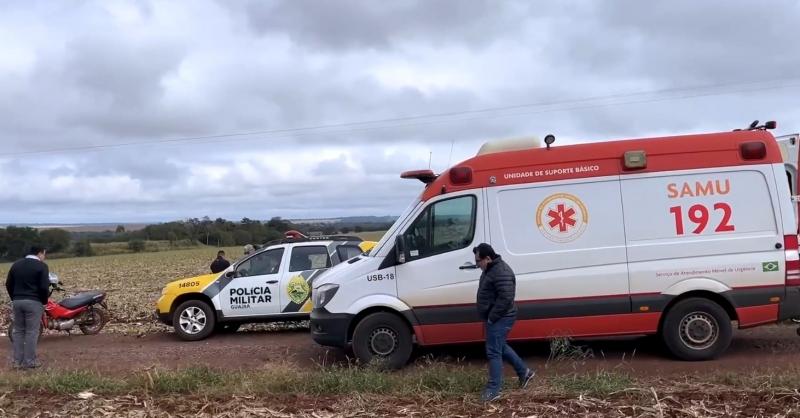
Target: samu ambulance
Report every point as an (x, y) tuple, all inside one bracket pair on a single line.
[(272, 284), (676, 236)]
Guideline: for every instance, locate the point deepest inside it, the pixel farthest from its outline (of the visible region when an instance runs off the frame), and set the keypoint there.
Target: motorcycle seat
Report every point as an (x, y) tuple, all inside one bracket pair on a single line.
[(82, 299)]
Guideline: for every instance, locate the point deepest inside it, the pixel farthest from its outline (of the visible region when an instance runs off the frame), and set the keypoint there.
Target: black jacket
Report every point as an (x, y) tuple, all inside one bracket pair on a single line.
[(496, 291), (219, 264), (28, 279)]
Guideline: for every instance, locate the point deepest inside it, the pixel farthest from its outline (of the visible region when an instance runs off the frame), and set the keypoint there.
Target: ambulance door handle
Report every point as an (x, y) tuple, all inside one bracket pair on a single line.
[(272, 281), (468, 266)]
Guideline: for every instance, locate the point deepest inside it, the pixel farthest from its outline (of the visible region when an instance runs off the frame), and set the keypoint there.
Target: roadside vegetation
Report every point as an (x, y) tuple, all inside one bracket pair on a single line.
[(432, 390)]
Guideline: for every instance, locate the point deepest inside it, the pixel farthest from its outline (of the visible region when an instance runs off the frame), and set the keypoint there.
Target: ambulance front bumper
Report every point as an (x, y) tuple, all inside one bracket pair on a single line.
[(330, 329)]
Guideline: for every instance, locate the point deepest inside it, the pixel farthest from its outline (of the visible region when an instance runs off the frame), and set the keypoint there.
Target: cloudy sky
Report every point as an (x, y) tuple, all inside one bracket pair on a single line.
[(129, 111)]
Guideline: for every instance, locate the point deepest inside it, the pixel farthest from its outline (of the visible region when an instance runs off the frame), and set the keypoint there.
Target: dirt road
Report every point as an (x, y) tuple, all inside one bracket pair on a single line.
[(760, 349)]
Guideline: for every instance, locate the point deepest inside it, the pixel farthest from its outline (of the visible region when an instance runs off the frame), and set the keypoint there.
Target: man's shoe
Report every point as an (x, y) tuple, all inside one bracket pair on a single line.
[(529, 374), (488, 396), (35, 365)]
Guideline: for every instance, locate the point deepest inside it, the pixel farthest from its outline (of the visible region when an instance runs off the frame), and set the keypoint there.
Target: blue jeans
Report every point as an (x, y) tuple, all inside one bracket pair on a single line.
[(497, 350), (27, 320)]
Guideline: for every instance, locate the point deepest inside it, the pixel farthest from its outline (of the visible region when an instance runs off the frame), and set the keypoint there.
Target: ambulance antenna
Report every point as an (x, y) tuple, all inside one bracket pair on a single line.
[(430, 157), (450, 158), (549, 139)]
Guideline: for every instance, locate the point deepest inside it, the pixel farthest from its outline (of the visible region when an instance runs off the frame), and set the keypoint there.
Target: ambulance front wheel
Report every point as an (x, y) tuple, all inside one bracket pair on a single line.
[(383, 339), (193, 320), (697, 329)]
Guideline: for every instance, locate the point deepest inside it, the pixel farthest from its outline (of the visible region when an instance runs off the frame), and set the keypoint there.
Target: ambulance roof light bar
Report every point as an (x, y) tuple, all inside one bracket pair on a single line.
[(756, 127)]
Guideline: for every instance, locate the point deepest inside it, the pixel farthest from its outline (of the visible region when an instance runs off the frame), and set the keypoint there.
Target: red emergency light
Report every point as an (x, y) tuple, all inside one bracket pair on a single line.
[(753, 150), (460, 175), (425, 176), (294, 234)]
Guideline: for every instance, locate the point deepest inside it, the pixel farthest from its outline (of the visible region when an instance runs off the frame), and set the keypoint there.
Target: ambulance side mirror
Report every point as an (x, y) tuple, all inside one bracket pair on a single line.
[(401, 255)]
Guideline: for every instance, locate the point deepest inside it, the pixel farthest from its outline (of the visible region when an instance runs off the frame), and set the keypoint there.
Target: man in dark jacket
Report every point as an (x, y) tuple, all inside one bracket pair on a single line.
[(220, 263), (496, 292), (28, 287)]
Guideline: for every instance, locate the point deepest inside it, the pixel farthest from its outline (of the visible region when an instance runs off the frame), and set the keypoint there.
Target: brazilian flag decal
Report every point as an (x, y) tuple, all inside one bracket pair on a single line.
[(770, 266)]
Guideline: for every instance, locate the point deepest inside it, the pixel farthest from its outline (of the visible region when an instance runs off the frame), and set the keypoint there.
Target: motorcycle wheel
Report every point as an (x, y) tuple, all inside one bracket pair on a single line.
[(11, 329), (96, 319)]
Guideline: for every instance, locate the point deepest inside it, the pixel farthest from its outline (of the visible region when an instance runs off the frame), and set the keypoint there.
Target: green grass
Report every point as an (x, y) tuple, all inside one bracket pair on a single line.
[(433, 380), (440, 380), (113, 248), (371, 235), (600, 383), (563, 349), (61, 382)]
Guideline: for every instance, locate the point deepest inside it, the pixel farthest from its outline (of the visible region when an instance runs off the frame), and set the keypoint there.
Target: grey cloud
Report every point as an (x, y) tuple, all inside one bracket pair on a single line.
[(221, 67), (352, 24)]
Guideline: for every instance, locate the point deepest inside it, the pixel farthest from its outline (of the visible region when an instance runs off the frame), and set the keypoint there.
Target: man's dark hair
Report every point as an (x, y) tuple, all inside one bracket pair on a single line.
[(36, 249), (484, 250), (220, 252)]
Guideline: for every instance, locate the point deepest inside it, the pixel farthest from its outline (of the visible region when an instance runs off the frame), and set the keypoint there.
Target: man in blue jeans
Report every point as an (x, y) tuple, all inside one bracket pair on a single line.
[(28, 286), (496, 307)]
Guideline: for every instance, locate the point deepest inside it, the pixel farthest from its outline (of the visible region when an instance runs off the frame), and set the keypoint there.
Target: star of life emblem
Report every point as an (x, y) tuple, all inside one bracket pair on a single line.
[(562, 217)]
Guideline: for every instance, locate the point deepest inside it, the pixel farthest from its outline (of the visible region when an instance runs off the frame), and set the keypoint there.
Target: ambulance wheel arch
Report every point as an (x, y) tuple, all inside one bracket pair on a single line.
[(697, 325), (382, 337), (193, 316)]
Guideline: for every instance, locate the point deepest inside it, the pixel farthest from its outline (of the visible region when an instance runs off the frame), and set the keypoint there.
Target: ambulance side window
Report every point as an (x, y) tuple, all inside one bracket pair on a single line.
[(445, 226), (268, 262)]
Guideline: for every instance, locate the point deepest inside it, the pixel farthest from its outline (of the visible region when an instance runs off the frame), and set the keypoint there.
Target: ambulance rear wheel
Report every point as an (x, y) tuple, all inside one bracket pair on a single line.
[(382, 339), (193, 320), (697, 329)]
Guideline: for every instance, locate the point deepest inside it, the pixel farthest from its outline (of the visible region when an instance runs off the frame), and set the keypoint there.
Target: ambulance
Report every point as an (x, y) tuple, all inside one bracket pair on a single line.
[(271, 284), (684, 237)]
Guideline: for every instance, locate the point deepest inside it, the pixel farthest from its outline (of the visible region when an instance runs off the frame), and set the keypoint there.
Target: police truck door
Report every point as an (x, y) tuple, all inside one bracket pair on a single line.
[(254, 289), (305, 264)]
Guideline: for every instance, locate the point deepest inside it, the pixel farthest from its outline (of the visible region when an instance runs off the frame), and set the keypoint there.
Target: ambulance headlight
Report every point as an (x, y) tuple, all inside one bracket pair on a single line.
[(323, 294)]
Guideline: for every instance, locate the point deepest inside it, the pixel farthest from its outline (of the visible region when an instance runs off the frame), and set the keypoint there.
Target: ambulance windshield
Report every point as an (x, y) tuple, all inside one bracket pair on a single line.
[(390, 233)]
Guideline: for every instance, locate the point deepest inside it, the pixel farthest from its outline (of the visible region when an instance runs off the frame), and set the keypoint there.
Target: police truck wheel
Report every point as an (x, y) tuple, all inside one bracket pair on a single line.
[(697, 329), (193, 320), (383, 339)]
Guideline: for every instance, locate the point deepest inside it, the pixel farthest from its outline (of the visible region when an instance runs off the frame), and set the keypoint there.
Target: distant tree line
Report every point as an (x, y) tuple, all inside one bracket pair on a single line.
[(15, 241)]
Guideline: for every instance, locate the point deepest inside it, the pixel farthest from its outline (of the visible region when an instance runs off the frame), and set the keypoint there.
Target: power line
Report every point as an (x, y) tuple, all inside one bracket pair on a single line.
[(448, 117), (502, 115)]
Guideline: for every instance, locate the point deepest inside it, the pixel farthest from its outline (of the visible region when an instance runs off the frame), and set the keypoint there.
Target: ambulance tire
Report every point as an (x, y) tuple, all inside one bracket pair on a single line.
[(382, 339), (697, 329), (193, 320)]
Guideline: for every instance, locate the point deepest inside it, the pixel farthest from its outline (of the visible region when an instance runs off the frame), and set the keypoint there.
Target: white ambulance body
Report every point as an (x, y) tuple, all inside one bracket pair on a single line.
[(675, 236)]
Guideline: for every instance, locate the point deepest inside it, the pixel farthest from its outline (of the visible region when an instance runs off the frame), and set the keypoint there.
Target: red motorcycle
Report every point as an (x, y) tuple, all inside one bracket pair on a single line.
[(81, 310)]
